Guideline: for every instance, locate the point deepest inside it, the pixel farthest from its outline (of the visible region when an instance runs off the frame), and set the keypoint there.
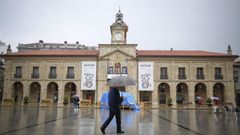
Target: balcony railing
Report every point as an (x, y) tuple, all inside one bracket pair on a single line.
[(110, 76), (200, 76), (182, 77), (218, 76), (18, 75), (163, 76), (52, 76), (70, 76), (35, 75)]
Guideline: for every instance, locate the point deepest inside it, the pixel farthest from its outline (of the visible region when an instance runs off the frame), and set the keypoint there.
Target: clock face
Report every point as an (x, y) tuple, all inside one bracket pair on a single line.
[(118, 36)]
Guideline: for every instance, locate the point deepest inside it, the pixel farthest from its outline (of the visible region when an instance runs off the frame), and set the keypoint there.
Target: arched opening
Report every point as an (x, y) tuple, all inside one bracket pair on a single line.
[(70, 90), (17, 92), (52, 91), (145, 96), (89, 95), (200, 92), (35, 92), (238, 99), (218, 91), (163, 93), (182, 93)]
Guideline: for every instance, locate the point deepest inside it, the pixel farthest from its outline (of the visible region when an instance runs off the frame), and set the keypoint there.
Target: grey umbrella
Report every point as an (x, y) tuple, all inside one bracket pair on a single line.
[(121, 81)]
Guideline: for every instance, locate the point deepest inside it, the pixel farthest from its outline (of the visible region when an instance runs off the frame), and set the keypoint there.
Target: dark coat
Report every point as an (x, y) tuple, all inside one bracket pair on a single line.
[(114, 98)]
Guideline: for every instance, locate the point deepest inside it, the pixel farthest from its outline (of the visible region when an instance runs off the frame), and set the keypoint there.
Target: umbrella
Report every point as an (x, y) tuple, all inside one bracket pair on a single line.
[(121, 81), (75, 95), (214, 98)]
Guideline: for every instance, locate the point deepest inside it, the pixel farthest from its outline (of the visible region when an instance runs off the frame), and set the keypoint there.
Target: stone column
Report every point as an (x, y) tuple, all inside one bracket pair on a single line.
[(26, 89), (43, 90), (210, 90), (173, 93), (60, 93), (155, 97), (191, 93)]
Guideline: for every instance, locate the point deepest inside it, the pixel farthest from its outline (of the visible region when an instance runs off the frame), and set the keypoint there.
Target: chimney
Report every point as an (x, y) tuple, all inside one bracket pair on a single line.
[(229, 50), (9, 50)]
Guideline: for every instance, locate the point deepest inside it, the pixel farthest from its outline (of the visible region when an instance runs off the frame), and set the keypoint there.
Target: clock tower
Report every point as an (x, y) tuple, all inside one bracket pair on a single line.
[(119, 30)]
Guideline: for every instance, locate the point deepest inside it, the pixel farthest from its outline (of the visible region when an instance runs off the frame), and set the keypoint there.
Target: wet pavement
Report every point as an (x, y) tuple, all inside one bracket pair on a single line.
[(28, 120)]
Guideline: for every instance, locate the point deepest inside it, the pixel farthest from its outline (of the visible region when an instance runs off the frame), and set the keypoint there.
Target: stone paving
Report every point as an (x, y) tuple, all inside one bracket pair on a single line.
[(29, 120)]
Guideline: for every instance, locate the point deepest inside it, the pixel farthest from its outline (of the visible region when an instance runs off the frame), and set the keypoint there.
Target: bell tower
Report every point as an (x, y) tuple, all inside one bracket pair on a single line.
[(119, 30)]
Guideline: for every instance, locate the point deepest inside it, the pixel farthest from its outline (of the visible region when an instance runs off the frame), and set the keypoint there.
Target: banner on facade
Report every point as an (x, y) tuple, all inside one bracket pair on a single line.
[(88, 75), (145, 76)]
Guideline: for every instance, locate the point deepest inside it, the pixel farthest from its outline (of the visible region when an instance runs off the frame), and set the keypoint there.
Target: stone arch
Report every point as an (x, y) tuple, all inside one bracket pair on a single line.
[(182, 93), (218, 91), (200, 91), (70, 89), (52, 91), (35, 92), (163, 93), (17, 92)]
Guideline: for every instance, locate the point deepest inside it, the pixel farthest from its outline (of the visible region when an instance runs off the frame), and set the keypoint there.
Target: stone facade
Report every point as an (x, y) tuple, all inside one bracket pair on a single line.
[(188, 74)]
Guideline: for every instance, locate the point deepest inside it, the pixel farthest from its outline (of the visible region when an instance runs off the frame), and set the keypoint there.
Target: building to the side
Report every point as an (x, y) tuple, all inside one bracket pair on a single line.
[(53, 46), (236, 73), (181, 75), (1, 78)]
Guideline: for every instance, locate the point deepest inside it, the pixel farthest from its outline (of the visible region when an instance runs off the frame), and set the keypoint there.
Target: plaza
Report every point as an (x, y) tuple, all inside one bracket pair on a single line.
[(34, 120)]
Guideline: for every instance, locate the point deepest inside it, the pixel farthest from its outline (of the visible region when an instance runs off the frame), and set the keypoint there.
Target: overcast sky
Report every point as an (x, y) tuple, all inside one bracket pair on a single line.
[(208, 25)]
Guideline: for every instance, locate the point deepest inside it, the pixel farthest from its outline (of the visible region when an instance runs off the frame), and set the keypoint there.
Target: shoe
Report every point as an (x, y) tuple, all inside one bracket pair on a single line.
[(102, 130), (120, 132)]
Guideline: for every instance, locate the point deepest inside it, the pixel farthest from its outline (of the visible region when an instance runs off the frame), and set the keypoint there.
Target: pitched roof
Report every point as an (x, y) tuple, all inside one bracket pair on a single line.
[(154, 53), (56, 53)]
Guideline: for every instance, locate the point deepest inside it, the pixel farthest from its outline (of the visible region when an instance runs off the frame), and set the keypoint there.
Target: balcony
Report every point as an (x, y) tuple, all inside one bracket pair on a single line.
[(218, 76), (200, 76), (70, 76), (163, 76), (52, 76), (18, 75), (35, 76), (182, 77), (110, 76)]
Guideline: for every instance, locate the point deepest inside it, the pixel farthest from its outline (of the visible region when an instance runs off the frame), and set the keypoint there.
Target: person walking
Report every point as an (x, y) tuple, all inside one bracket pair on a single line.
[(114, 102)]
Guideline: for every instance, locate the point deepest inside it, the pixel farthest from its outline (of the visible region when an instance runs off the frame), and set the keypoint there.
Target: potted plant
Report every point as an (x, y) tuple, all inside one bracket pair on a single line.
[(209, 102), (65, 100), (25, 100), (169, 101)]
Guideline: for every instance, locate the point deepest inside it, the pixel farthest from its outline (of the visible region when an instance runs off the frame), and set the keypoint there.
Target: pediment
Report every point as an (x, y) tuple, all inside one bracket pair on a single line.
[(117, 54)]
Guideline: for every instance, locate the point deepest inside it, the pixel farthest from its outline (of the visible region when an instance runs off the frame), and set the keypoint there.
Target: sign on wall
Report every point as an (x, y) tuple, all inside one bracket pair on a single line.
[(145, 76), (88, 75)]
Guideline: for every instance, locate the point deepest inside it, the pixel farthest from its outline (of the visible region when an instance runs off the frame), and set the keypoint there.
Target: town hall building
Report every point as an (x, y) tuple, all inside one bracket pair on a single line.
[(54, 71)]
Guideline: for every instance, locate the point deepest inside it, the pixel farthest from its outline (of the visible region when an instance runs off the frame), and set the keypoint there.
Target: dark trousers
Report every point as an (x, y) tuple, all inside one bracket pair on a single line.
[(113, 110)]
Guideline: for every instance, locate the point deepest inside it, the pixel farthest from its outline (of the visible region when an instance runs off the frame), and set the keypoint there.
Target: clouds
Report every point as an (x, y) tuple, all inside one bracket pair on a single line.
[(155, 24)]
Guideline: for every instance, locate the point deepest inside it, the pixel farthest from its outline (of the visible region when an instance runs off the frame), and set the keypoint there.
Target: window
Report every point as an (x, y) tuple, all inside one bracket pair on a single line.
[(218, 73), (200, 74), (163, 73), (70, 72), (35, 73), (181, 73), (53, 72), (117, 68), (110, 70), (124, 70), (18, 73)]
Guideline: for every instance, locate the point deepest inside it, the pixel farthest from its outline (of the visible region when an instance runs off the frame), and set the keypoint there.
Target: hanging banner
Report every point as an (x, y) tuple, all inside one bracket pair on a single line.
[(145, 76), (88, 81)]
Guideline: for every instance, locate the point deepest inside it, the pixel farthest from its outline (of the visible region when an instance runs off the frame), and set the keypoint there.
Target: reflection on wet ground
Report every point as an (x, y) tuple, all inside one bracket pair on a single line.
[(15, 120)]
